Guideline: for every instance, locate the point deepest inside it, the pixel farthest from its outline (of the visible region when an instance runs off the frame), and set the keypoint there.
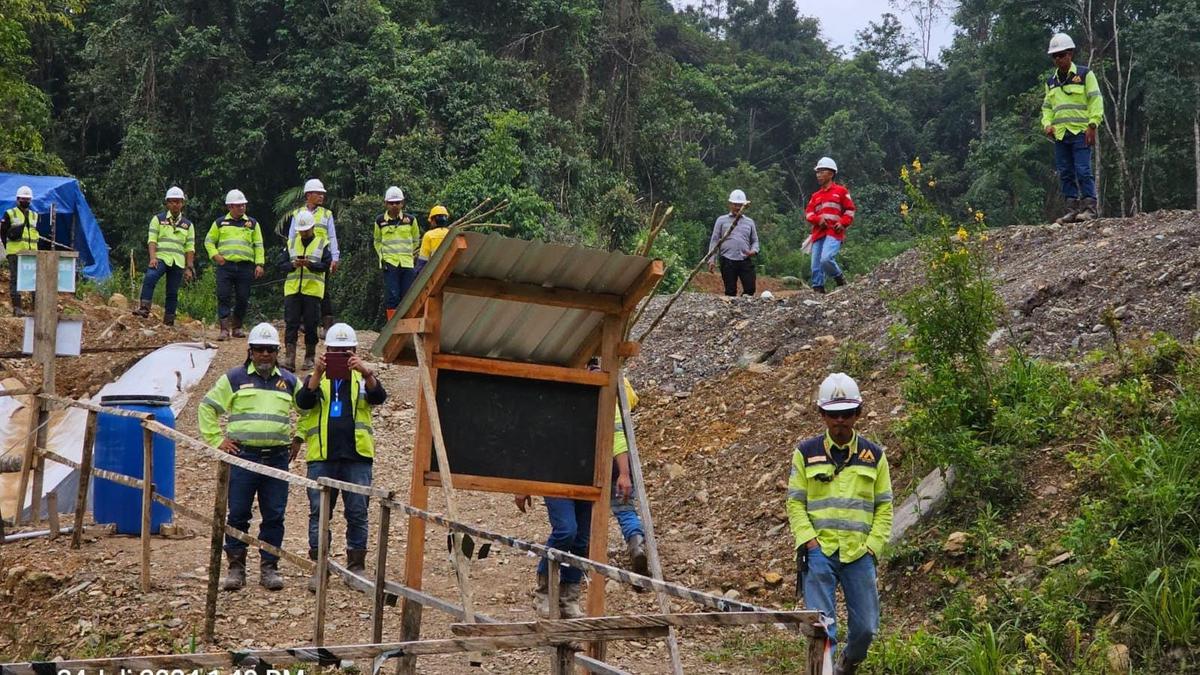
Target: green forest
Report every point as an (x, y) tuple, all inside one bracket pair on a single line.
[(583, 114)]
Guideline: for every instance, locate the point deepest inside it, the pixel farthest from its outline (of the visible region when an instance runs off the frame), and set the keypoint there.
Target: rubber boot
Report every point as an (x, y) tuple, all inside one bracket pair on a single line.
[(390, 314), (314, 580), (236, 579), (168, 319), (1087, 210), (637, 555), (143, 309), (224, 329), (237, 328), (1072, 212), (308, 357), (541, 596), (268, 576), (356, 561), (289, 356), (568, 601), (818, 289)]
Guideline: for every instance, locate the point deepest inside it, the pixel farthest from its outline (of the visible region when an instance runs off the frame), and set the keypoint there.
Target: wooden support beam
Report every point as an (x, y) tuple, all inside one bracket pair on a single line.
[(323, 537), (529, 371), (147, 503), (45, 318), (433, 287), (533, 294), (380, 594), (645, 283), (628, 350), (587, 349), (590, 665), (220, 507), (689, 620), (409, 326), (38, 417), (612, 330), (589, 493), (85, 478)]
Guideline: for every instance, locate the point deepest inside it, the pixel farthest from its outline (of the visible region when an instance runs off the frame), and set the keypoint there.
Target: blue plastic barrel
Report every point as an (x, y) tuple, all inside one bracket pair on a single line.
[(119, 449)]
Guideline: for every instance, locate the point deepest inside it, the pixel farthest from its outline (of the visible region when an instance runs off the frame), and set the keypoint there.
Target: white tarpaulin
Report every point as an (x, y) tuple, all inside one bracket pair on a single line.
[(173, 371)]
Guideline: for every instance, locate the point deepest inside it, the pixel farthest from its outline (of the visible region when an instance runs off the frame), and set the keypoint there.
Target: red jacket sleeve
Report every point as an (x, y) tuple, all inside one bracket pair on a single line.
[(809, 213), (847, 209)]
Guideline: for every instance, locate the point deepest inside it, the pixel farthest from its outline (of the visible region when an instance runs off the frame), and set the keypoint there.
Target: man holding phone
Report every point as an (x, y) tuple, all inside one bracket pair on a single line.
[(337, 399)]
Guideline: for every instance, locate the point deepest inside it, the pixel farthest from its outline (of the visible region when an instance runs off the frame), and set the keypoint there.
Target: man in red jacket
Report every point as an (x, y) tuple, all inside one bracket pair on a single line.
[(830, 211)]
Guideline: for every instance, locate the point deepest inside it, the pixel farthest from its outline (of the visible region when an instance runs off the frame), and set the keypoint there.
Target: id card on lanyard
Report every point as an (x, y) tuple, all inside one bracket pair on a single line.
[(335, 406)]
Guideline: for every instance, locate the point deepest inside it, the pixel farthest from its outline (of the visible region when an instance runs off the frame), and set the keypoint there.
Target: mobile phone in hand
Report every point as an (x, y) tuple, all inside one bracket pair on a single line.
[(337, 365)]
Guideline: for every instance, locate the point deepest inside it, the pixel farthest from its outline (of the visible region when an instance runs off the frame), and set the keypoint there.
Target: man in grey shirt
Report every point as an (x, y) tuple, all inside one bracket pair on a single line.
[(739, 248)]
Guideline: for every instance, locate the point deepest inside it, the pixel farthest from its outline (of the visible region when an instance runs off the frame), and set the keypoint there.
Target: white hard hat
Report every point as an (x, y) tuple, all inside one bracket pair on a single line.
[(263, 334), (341, 335), (767, 295), (24, 192), (826, 163), (235, 197), (1061, 42), (313, 185), (304, 220), (174, 192), (839, 391), (393, 194), (738, 197)]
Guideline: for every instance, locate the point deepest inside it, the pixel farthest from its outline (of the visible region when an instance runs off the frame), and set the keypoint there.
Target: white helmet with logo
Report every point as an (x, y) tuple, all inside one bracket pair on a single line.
[(839, 391), (234, 197), (826, 163), (341, 335), (313, 185), (263, 334), (393, 194), (1061, 42), (175, 192), (738, 197), (24, 192), (304, 220)]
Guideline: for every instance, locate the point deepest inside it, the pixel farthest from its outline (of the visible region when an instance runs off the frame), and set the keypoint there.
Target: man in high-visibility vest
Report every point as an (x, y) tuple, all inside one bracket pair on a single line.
[(338, 435), (172, 244), (439, 227), (235, 244), (1072, 110), (257, 397), (19, 232), (306, 260), (314, 203), (397, 236)]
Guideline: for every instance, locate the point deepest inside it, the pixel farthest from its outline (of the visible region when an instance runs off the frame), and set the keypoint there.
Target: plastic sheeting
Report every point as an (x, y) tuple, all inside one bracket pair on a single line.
[(172, 371), (75, 225)]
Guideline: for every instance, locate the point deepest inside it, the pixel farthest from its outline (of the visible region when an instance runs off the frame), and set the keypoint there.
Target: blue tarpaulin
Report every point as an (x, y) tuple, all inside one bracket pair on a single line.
[(75, 226)]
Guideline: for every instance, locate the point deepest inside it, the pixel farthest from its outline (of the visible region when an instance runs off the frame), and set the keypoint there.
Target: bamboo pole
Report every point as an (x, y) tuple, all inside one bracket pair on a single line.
[(85, 478), (147, 502), (220, 508), (322, 565)]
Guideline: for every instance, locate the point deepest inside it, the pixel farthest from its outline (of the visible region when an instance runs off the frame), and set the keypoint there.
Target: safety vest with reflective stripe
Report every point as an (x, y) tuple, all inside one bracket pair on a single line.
[(314, 423), (300, 279), (828, 207), (238, 240), (28, 237), (259, 409), (173, 236), (848, 510), (321, 218), (1072, 104), (397, 239)]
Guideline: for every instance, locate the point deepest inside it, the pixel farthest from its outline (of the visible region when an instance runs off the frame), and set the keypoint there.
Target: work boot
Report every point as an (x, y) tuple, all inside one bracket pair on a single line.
[(314, 580), (236, 579), (237, 328), (308, 357), (819, 289), (839, 280), (268, 576), (143, 309), (289, 356), (356, 561), (844, 667), (1087, 210), (1071, 214), (637, 555), (541, 596), (224, 329), (568, 601), (168, 319)]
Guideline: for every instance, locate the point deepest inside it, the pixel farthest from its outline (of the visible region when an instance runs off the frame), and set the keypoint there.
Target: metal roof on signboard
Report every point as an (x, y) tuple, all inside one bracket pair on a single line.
[(511, 330)]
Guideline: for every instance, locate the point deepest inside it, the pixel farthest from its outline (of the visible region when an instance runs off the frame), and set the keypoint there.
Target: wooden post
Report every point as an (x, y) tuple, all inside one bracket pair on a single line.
[(45, 316), (381, 543), (147, 502), (85, 478), (220, 509), (561, 660), (39, 463), (643, 501), (52, 513), (598, 544), (322, 565), (816, 655)]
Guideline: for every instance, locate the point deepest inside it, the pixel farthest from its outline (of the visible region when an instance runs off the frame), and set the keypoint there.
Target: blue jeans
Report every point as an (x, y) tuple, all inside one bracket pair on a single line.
[(174, 278), (353, 505), (396, 281), (272, 500), (1073, 159), (625, 511), (857, 580), (824, 252), (570, 530)]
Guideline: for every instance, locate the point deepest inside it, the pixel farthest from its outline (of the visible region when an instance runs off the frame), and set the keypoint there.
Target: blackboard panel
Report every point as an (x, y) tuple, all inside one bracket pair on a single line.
[(509, 427)]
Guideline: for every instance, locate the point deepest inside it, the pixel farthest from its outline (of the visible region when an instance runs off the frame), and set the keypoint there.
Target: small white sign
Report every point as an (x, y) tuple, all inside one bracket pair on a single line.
[(27, 273), (68, 341)]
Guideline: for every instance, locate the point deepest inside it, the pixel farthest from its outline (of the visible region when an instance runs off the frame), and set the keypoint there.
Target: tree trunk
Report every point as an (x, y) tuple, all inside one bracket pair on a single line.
[(1196, 151)]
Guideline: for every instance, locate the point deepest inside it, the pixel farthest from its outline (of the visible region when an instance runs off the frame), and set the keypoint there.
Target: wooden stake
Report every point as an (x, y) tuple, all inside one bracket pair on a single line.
[(561, 658), (52, 513), (381, 543), (147, 502), (39, 464), (45, 317), (220, 508), (322, 565), (85, 479), (36, 419)]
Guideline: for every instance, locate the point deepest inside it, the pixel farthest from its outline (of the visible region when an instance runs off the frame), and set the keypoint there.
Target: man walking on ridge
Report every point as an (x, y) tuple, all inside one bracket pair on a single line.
[(235, 244), (830, 211), (172, 244), (1072, 109), (737, 251)]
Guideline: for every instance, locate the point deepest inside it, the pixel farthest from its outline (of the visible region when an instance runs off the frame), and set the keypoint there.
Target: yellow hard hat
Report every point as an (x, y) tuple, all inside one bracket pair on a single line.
[(438, 210)]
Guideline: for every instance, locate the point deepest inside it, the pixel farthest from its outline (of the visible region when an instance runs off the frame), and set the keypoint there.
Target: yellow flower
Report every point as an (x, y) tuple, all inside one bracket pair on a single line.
[(916, 165), (932, 182), (983, 236), (904, 173), (979, 216), (904, 209), (945, 257), (961, 235)]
